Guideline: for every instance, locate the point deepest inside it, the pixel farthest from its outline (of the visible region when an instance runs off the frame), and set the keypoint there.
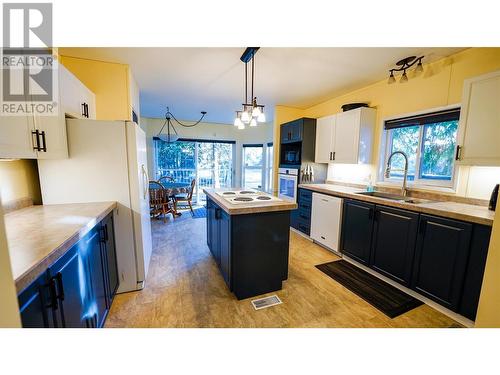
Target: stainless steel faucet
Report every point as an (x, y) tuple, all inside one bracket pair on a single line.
[(405, 170)]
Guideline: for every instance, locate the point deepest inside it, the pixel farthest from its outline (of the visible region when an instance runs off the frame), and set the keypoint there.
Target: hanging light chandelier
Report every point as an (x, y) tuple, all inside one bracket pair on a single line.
[(252, 112), (172, 135), (403, 66)]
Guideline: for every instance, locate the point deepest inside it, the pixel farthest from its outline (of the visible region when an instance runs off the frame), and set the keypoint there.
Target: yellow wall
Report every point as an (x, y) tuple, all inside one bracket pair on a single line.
[(19, 179), (108, 81)]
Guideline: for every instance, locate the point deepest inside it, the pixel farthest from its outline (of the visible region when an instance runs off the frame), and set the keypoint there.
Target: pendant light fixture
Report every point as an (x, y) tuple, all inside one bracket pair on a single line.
[(172, 135), (404, 65), (252, 112)]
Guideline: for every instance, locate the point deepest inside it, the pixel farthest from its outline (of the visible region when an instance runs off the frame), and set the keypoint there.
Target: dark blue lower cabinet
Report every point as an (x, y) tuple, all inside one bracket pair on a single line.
[(72, 289), (36, 304), (393, 243), (357, 228), (441, 259), (111, 266), (77, 290), (96, 262), (300, 218)]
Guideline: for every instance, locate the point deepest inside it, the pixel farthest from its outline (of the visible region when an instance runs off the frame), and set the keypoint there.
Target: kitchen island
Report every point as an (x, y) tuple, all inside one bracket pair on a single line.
[(248, 235)]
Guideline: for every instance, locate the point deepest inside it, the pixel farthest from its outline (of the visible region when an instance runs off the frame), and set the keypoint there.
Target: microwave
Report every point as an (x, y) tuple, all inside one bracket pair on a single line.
[(291, 157), (290, 154)]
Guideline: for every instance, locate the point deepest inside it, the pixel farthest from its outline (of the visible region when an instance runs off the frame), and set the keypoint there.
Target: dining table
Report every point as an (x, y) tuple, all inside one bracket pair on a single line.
[(174, 188)]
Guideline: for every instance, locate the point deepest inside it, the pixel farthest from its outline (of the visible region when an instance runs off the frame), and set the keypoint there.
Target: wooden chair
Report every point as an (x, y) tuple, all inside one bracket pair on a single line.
[(159, 202), (186, 198), (166, 179)]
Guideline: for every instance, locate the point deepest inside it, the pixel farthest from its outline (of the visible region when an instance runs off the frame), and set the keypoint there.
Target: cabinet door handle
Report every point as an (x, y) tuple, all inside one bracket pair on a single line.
[(36, 143), (83, 109), (86, 110), (60, 287), (44, 143), (145, 181), (458, 153), (333, 155), (53, 294), (330, 155)]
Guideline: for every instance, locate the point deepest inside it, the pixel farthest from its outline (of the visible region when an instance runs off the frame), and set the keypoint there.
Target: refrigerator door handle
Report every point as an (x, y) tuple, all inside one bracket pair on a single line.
[(145, 181)]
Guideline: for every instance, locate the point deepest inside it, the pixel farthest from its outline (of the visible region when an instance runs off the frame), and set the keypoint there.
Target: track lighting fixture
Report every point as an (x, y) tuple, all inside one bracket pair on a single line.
[(404, 65)]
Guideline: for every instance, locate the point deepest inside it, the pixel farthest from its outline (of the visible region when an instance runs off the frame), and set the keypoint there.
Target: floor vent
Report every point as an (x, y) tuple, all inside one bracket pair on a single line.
[(262, 303)]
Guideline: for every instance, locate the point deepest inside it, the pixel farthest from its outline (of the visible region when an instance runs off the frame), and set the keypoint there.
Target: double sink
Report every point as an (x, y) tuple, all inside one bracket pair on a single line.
[(394, 197)]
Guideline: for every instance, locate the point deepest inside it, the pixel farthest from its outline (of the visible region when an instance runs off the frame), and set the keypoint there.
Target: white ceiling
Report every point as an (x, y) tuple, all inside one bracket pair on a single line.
[(190, 80)]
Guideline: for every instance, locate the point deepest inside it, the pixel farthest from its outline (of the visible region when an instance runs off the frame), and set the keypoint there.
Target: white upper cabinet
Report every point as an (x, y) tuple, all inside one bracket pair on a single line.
[(346, 137), (16, 138), (33, 136), (53, 139), (325, 131), (479, 131), (77, 101)]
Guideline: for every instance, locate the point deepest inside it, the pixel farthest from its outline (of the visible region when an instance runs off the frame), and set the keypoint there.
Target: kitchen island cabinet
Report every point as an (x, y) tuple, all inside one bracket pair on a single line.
[(250, 246)]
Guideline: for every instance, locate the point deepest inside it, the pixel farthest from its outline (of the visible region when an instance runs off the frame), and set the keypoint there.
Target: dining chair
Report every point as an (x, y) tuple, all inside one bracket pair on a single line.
[(186, 198), (159, 201)]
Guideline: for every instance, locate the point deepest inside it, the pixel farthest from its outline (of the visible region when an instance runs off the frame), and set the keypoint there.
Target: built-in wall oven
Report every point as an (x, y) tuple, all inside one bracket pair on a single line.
[(288, 180)]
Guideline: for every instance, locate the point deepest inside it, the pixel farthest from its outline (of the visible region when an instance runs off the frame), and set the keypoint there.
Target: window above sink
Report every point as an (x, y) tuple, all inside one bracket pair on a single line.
[(429, 141)]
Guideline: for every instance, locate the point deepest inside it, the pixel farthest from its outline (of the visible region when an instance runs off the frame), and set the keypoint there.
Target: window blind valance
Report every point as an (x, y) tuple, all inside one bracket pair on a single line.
[(420, 120)]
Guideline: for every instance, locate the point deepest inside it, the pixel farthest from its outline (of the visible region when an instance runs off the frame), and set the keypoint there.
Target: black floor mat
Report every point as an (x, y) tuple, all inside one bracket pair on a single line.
[(388, 299)]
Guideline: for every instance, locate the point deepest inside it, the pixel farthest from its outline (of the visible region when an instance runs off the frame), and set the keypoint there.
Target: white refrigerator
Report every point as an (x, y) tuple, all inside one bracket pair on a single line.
[(107, 162)]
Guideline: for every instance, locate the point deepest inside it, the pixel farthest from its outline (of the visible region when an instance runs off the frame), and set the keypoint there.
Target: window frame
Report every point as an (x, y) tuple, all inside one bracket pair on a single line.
[(262, 166), (387, 135)]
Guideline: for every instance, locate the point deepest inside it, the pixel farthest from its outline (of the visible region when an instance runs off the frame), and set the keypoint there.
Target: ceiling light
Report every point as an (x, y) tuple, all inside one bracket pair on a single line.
[(256, 111), (404, 65), (245, 117), (252, 112), (261, 117), (419, 69), (404, 78), (391, 79), (173, 136), (237, 120)]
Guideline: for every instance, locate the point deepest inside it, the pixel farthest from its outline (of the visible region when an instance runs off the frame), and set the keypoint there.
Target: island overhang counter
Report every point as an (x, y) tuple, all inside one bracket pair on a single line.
[(249, 242)]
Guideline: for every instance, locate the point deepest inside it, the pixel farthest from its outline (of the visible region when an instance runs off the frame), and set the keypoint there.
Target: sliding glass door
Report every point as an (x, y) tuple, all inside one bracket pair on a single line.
[(210, 163)]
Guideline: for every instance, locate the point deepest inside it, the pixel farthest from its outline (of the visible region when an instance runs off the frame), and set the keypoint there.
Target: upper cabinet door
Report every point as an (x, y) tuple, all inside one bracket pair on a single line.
[(480, 121), (54, 140), (325, 132), (16, 138), (77, 101), (346, 138), (354, 136)]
